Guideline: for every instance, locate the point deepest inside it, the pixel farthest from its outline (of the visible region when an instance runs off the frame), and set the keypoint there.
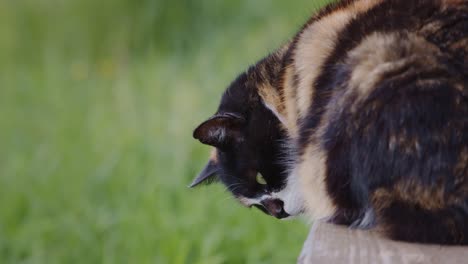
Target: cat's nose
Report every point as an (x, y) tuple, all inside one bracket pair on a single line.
[(275, 207)]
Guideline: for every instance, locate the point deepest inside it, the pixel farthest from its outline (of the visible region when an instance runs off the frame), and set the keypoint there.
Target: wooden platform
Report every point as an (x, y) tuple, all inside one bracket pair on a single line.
[(332, 244)]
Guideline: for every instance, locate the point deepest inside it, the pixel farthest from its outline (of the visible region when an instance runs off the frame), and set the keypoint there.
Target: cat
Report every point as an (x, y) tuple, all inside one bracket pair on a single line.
[(361, 119)]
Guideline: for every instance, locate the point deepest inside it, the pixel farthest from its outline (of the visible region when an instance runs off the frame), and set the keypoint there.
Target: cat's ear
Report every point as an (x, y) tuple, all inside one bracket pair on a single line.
[(221, 130), (206, 175)]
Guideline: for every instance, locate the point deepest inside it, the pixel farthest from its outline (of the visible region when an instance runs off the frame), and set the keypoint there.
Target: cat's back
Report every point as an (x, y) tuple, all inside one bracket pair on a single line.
[(381, 103), (358, 42)]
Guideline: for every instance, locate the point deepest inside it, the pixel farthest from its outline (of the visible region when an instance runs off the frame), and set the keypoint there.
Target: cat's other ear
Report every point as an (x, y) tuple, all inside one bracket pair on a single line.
[(221, 130), (206, 175)]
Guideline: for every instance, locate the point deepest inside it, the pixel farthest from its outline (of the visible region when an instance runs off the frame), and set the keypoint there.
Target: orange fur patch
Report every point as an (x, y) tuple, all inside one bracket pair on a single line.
[(316, 44)]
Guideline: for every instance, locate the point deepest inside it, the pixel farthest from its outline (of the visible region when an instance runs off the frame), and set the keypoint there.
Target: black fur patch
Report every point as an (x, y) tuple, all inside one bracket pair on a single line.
[(407, 132), (258, 147), (389, 16)]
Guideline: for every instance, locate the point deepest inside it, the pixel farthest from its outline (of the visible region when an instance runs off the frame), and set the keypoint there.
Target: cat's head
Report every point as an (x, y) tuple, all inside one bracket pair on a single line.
[(250, 156)]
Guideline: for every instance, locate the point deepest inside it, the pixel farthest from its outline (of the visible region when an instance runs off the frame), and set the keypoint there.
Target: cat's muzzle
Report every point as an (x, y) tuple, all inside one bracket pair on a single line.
[(273, 207)]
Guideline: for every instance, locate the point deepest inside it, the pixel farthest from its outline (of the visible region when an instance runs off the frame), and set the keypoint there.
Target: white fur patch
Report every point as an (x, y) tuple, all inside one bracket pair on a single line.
[(367, 221), (311, 175), (219, 134), (291, 196)]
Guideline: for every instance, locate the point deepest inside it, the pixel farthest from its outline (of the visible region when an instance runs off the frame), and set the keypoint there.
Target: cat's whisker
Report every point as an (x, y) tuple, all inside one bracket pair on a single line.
[(235, 185)]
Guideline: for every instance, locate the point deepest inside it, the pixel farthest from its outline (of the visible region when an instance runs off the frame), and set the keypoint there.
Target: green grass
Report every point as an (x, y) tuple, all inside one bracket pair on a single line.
[(98, 100)]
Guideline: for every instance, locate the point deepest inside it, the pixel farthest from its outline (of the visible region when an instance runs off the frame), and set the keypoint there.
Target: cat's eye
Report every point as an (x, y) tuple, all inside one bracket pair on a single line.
[(260, 179)]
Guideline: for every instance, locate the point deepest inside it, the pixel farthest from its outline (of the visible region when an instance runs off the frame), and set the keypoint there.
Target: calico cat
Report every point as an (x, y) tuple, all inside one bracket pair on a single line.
[(362, 119)]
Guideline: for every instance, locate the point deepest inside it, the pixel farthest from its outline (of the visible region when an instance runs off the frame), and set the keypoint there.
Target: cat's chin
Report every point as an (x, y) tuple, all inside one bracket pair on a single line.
[(296, 215), (291, 217)]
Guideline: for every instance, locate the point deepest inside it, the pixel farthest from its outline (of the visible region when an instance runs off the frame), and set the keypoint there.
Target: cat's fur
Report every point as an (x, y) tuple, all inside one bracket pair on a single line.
[(371, 97), (249, 139)]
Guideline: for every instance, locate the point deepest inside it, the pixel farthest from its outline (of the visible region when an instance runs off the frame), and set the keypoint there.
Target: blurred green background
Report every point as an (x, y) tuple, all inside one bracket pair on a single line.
[(98, 99)]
